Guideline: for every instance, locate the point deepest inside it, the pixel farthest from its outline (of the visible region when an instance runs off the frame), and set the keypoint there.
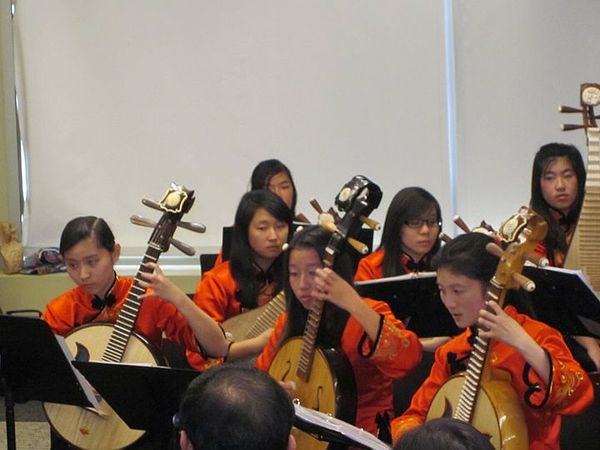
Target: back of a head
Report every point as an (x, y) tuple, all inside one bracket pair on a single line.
[(444, 434), (236, 408)]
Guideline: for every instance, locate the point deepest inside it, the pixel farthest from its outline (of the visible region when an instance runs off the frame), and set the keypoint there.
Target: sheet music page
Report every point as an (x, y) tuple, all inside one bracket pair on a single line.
[(87, 388), (333, 424)]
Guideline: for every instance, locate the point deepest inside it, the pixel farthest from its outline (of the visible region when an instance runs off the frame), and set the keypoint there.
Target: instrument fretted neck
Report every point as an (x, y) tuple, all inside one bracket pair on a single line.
[(125, 323), (312, 326), (476, 367)]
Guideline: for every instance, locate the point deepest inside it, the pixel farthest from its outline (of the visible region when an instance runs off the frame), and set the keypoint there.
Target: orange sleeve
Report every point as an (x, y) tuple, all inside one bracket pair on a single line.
[(369, 267), (397, 350), (215, 293), (266, 357)]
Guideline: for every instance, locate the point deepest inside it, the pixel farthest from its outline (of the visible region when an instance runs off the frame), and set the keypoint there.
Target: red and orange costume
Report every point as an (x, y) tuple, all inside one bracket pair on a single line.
[(371, 266), (216, 294), (74, 308), (392, 355), (568, 392)]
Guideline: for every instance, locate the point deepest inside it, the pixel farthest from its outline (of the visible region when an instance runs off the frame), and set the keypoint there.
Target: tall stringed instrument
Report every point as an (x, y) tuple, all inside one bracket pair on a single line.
[(482, 395), (102, 428), (585, 245), (323, 377)]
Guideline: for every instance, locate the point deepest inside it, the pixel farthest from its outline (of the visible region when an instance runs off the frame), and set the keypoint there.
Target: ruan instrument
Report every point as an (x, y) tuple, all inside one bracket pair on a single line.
[(323, 377), (482, 395), (101, 428), (585, 245)]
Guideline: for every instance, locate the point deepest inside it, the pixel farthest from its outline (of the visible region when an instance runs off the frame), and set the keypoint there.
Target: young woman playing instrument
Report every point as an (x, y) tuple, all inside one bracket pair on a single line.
[(557, 191), (410, 237), (547, 380), (375, 342), (254, 273), (90, 252)]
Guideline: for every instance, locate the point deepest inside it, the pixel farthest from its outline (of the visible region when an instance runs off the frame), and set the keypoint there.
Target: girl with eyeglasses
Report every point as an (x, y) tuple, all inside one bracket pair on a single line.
[(410, 237)]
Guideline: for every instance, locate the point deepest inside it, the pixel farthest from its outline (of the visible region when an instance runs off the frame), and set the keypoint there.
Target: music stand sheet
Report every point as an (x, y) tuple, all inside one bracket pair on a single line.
[(36, 366), (562, 298), (414, 299)]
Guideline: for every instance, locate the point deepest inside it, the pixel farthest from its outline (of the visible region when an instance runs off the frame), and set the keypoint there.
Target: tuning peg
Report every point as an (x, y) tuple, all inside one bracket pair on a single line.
[(570, 127), (372, 224), (302, 218), (569, 109), (192, 226), (494, 249), (523, 281), (151, 204), (487, 226), (538, 260), (142, 221), (355, 243), (461, 224), (315, 204), (336, 216), (185, 248), (444, 237)]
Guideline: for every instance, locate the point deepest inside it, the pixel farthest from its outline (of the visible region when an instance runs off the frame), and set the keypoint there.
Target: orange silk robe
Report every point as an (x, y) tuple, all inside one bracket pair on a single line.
[(74, 308), (396, 352), (570, 391)]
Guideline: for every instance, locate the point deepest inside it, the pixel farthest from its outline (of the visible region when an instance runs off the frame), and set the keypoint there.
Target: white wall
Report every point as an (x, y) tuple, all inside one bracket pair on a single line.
[(120, 98)]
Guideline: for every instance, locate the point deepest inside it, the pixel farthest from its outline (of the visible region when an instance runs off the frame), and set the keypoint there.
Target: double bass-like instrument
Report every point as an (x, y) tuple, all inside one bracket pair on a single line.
[(482, 395)]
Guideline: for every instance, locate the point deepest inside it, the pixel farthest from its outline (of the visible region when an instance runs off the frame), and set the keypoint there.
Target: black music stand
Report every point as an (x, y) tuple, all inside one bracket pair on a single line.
[(153, 393), (564, 300), (34, 366), (414, 299), (330, 429)]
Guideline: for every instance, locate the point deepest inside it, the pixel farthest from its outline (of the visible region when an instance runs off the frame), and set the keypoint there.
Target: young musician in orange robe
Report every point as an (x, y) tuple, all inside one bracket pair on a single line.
[(409, 241), (254, 273), (273, 175), (557, 191), (546, 378), (410, 237), (90, 252), (376, 343)]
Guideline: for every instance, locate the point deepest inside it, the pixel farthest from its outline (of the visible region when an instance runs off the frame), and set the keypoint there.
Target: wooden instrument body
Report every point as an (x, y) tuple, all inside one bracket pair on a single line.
[(87, 429), (252, 323), (497, 412), (330, 388)]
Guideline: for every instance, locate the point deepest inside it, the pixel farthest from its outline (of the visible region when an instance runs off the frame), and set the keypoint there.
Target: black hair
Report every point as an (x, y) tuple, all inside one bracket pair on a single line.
[(230, 407), (242, 264), (555, 239), (81, 228), (444, 433), (267, 169), (334, 318), (466, 255), (408, 203)]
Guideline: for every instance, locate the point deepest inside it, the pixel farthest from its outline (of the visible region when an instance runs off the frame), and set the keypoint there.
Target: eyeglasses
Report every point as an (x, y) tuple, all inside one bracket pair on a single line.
[(418, 223)]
